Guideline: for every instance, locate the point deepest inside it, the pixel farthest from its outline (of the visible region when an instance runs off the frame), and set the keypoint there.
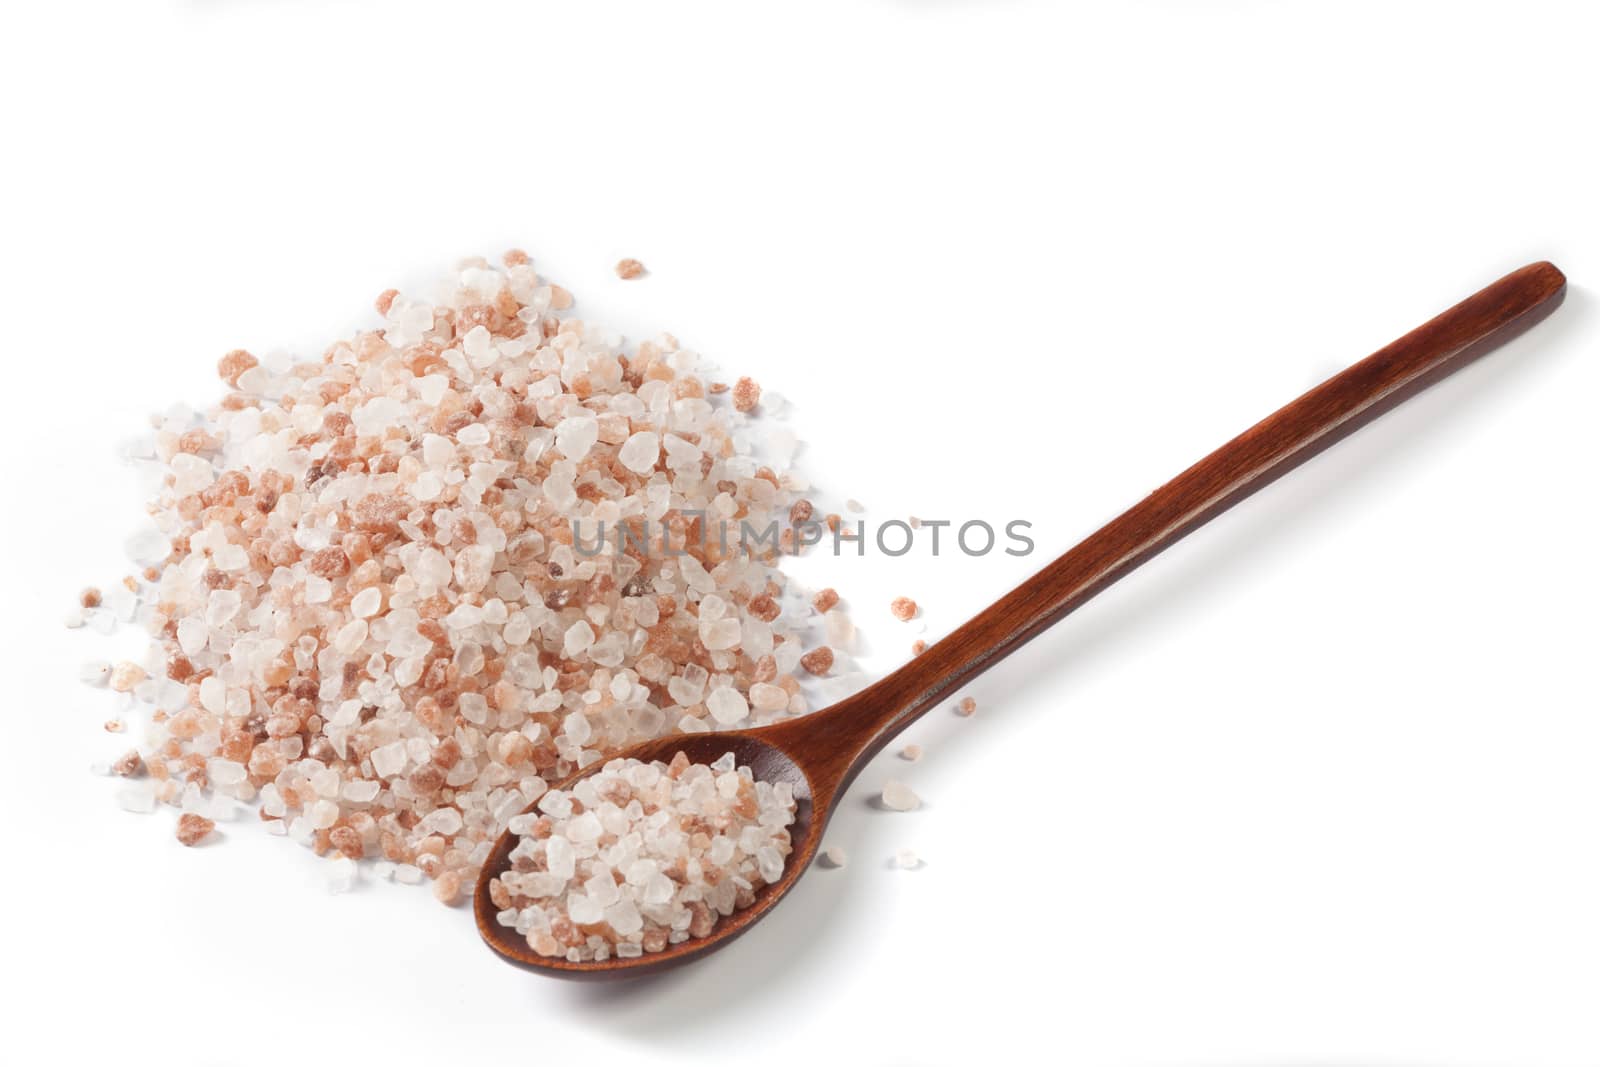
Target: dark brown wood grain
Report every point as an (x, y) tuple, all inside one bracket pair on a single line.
[(821, 753)]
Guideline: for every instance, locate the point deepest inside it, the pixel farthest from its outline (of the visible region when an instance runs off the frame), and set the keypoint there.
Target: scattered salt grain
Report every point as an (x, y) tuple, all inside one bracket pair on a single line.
[(341, 874), (96, 673), (897, 796), (911, 753), (967, 706), (746, 394), (192, 829), (628, 269), (907, 860), (834, 856), (903, 608), (137, 797)]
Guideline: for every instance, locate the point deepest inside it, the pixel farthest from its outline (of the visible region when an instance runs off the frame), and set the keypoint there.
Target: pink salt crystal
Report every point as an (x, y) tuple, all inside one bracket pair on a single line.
[(131, 765), (235, 363), (628, 269), (912, 753), (192, 829), (125, 675), (903, 608), (967, 706), (447, 888), (818, 660), (746, 394)]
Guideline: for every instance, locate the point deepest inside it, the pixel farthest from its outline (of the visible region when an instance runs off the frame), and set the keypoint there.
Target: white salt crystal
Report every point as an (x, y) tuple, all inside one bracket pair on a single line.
[(389, 760), (769, 862), (727, 705), (576, 727), (560, 859), (224, 773), (149, 546), (478, 345), (193, 633), (897, 796), (584, 828), (472, 567), (766, 697), (366, 603), (222, 606), (907, 859), (214, 695), (341, 874), (350, 637), (624, 917), (584, 909), (95, 672), (137, 797), (640, 452), (323, 814), (835, 856), (911, 753), (841, 631), (658, 890), (720, 634), (231, 557), (557, 804), (576, 435), (578, 638)]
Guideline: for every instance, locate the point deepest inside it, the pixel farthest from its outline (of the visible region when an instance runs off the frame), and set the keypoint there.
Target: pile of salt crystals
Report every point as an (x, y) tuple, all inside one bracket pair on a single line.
[(642, 855), (368, 608)]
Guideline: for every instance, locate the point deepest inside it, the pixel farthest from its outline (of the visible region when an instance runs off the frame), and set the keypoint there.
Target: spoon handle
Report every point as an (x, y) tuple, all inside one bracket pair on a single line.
[(1272, 447)]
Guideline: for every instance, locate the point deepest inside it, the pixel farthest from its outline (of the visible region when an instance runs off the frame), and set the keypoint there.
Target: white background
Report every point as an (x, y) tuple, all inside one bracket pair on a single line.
[(1319, 786)]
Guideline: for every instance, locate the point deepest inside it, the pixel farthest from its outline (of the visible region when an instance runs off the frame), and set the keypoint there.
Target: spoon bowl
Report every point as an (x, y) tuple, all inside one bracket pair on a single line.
[(820, 754), (766, 761)]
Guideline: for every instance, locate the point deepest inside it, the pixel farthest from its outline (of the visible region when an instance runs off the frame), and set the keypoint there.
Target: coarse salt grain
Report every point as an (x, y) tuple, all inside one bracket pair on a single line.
[(746, 394), (835, 856), (897, 796), (911, 753), (966, 706), (903, 608), (192, 829), (907, 860)]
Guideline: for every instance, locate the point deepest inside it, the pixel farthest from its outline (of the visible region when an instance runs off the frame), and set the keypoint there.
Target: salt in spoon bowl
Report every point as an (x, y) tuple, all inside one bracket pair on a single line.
[(820, 754)]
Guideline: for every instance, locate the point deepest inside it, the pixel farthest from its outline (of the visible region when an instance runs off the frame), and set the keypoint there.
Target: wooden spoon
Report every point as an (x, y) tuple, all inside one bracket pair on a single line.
[(820, 754)]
